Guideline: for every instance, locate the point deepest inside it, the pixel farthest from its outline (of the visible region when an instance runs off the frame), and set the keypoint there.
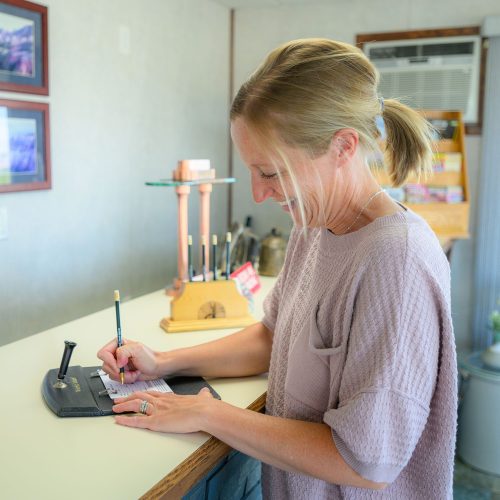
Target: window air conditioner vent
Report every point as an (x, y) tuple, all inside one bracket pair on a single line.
[(432, 73)]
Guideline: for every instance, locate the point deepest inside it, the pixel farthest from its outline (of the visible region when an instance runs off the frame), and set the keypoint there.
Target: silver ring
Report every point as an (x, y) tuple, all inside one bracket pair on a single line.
[(144, 407)]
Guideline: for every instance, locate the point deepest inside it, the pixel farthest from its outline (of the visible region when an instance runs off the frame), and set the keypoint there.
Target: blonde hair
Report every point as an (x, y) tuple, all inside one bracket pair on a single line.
[(307, 90)]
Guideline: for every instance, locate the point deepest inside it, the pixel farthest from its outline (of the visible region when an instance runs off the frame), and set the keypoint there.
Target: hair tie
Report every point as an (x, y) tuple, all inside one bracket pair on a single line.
[(379, 122), (381, 101)]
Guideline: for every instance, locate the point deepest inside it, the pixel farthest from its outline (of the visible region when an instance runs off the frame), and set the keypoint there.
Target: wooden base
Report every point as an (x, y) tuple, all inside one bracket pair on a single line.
[(207, 305), (172, 326)]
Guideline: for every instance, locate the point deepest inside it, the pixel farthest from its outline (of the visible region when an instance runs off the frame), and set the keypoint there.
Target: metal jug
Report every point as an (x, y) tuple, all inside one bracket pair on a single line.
[(272, 254)]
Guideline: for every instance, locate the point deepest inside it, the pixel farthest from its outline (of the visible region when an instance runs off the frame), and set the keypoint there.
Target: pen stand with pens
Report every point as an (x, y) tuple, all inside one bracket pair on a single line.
[(201, 305), (76, 391)]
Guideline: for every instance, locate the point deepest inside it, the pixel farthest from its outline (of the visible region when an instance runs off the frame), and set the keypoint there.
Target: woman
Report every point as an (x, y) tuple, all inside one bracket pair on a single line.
[(357, 334)]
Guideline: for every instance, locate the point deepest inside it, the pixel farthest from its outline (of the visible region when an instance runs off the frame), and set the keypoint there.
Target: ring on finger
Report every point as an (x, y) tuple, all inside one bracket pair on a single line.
[(144, 407)]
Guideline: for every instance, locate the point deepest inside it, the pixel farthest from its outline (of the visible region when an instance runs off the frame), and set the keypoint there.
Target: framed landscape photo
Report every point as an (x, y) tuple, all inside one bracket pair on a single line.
[(24, 146), (23, 47)]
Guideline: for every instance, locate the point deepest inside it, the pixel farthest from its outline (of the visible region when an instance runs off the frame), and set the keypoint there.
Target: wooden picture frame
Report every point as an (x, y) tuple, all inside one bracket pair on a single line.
[(24, 56), (470, 128), (24, 146)]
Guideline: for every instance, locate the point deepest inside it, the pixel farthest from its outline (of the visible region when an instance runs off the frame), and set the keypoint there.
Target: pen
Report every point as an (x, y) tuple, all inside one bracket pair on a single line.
[(203, 257), (228, 255), (214, 258), (190, 258), (119, 330)]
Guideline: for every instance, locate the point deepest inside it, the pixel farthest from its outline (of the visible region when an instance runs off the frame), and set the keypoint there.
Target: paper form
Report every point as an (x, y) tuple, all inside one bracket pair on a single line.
[(117, 390)]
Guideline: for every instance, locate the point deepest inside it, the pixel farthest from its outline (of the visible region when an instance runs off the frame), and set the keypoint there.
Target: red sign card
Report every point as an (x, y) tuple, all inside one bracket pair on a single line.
[(247, 276)]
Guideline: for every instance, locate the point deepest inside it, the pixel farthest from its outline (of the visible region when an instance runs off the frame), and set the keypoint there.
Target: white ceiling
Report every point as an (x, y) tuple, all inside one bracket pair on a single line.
[(242, 4)]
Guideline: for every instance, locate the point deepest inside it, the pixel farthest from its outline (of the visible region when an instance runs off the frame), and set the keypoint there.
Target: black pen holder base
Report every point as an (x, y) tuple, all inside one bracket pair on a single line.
[(80, 397)]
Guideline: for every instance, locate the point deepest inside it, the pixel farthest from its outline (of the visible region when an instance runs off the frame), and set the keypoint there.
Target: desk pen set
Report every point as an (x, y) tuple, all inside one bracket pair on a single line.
[(77, 391), (201, 304)]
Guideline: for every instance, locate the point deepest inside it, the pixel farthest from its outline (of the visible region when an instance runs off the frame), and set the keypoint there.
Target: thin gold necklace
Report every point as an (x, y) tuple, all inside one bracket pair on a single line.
[(363, 209)]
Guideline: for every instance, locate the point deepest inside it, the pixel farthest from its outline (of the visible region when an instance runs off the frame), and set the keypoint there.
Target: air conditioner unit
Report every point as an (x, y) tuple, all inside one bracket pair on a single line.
[(430, 73)]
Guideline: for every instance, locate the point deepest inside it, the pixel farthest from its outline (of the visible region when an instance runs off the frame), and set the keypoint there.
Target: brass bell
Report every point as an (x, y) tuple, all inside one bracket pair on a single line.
[(272, 254)]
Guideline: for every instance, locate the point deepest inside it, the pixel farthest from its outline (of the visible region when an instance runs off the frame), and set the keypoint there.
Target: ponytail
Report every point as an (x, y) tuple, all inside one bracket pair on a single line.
[(408, 147)]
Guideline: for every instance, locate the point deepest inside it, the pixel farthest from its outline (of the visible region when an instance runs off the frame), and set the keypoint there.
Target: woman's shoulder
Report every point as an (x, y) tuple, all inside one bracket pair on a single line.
[(403, 232), (408, 244)]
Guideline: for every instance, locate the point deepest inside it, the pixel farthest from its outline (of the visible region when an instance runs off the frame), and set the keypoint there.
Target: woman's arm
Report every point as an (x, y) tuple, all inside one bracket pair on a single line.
[(244, 353), (291, 445)]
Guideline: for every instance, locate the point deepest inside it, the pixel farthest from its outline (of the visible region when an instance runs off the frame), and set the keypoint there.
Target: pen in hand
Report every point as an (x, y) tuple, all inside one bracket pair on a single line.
[(119, 330)]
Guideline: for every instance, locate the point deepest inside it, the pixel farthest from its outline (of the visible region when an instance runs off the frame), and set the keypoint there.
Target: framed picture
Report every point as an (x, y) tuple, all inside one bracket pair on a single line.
[(23, 47), (24, 146)]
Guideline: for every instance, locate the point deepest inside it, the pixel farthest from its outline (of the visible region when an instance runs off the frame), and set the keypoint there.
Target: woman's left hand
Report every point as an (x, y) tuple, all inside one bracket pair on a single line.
[(164, 412)]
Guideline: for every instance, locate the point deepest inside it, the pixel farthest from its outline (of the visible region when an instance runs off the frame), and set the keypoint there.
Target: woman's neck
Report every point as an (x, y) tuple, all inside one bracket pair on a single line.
[(363, 202)]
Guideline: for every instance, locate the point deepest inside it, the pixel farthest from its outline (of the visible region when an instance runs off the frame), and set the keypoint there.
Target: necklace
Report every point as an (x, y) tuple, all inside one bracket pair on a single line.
[(363, 209)]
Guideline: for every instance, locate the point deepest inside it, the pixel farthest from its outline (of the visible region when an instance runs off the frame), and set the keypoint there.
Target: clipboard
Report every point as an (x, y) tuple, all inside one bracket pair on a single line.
[(80, 397)]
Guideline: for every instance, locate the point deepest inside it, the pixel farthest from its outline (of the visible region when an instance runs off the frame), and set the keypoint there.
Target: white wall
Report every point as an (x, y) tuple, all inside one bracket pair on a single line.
[(117, 120), (260, 30)]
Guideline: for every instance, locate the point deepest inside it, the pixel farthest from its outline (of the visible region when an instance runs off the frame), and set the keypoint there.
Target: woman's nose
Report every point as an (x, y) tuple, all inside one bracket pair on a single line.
[(260, 190)]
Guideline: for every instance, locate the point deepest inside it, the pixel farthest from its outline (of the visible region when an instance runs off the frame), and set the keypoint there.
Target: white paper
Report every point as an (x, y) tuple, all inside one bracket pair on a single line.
[(117, 390)]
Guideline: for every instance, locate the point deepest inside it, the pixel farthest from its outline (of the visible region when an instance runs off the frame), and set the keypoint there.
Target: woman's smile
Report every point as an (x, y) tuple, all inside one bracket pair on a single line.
[(287, 205)]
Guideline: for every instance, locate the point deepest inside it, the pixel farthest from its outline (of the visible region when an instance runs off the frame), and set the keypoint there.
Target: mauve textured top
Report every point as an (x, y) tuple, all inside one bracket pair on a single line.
[(363, 341)]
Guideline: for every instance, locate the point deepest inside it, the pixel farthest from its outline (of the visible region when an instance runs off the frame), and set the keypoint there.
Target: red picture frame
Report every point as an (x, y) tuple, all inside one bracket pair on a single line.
[(24, 58), (24, 146)]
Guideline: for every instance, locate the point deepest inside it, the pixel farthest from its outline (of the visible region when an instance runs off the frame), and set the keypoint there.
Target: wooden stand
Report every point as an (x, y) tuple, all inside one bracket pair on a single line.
[(207, 305), (200, 305)]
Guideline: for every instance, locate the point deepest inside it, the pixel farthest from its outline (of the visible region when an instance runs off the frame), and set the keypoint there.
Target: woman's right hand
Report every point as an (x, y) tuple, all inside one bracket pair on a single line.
[(139, 361)]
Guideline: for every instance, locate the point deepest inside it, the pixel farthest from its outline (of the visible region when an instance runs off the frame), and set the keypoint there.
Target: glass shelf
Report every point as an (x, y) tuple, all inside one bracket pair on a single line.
[(197, 182)]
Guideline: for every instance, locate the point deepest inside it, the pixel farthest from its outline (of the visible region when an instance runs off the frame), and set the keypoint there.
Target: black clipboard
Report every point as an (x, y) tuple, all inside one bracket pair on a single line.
[(80, 397)]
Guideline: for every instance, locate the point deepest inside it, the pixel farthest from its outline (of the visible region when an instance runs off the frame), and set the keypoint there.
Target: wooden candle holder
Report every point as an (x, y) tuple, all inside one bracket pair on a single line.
[(207, 305)]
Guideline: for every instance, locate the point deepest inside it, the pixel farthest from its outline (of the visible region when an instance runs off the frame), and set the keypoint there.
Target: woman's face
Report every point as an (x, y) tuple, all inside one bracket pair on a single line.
[(314, 178)]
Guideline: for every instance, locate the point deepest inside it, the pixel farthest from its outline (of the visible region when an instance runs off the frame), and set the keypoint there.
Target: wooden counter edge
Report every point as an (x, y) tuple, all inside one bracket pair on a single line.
[(179, 481)]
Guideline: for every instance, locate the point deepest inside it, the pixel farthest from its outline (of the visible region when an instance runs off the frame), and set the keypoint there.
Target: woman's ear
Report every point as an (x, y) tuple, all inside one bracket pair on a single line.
[(344, 145)]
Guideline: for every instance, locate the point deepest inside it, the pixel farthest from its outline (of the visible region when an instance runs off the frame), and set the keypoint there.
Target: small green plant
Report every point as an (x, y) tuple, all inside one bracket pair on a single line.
[(495, 324)]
